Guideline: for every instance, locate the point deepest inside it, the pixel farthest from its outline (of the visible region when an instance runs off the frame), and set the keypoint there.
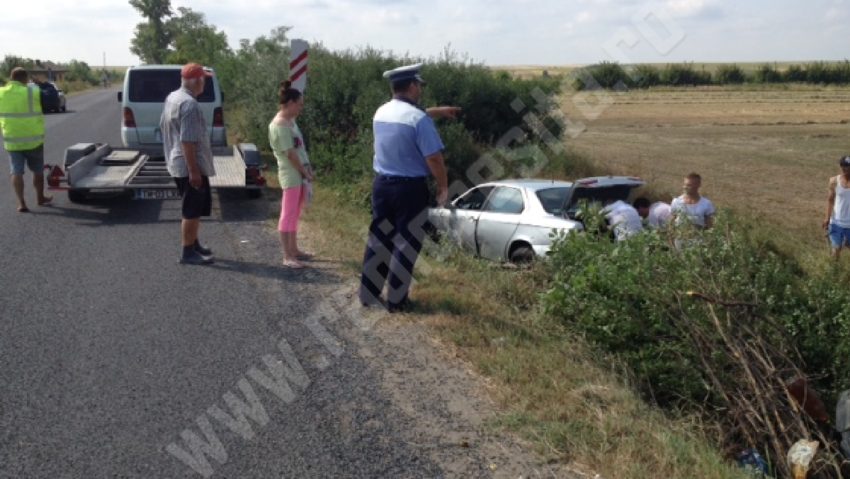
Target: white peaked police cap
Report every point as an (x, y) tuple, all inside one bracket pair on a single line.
[(408, 72)]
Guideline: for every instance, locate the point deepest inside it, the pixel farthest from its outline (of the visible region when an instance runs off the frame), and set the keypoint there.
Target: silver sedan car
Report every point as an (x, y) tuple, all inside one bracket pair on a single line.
[(512, 220)]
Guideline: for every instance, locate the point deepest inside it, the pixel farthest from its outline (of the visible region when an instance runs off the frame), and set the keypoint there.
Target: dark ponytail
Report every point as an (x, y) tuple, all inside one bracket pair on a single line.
[(287, 93)]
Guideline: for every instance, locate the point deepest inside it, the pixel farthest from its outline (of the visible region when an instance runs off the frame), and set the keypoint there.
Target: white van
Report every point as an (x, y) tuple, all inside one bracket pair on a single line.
[(145, 89)]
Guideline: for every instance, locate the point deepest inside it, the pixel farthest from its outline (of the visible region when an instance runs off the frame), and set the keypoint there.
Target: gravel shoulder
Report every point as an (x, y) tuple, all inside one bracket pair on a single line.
[(441, 405)]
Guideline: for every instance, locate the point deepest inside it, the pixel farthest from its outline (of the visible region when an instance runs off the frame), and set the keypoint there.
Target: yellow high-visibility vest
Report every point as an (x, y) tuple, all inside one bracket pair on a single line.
[(21, 120)]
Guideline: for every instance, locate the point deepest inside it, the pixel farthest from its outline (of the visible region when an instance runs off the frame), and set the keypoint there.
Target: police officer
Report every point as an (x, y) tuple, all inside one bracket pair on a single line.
[(407, 149), (22, 123)]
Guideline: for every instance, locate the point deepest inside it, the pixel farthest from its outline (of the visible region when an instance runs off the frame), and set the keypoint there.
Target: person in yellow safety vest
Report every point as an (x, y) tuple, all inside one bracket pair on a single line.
[(22, 124)]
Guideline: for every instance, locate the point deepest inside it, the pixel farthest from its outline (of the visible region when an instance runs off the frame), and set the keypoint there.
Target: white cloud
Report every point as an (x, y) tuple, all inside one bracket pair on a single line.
[(693, 8)]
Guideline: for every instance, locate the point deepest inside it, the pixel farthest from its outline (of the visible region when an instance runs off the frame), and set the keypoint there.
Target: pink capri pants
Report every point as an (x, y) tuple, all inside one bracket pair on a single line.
[(290, 209)]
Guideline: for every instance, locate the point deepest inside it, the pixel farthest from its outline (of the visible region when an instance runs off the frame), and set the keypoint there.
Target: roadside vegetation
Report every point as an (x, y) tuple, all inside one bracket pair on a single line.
[(78, 76)]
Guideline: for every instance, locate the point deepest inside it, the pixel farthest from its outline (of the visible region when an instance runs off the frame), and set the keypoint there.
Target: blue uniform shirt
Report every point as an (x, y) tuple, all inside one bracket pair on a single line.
[(404, 137)]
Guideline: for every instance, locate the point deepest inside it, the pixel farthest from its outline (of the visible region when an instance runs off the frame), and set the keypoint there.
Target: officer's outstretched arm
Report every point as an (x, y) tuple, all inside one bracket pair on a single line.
[(437, 112)]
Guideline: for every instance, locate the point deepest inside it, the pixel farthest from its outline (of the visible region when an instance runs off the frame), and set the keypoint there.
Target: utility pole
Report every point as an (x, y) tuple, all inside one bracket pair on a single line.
[(104, 76)]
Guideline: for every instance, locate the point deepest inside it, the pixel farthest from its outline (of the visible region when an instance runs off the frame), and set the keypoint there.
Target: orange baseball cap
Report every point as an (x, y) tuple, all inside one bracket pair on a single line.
[(194, 70)]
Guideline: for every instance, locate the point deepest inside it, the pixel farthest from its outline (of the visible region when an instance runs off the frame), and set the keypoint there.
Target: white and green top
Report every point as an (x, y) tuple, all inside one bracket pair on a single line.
[(282, 138)]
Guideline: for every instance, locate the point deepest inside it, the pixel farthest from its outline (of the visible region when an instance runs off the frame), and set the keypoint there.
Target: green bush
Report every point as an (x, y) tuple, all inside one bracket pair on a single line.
[(645, 76), (249, 81), (605, 75), (818, 72), (630, 298), (684, 74), (794, 74), (730, 74), (81, 72), (841, 72), (767, 74), (345, 88)]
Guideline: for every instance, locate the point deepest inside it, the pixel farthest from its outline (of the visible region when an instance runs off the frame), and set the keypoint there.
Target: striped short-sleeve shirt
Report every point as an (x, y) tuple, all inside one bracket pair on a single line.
[(404, 136), (183, 121)]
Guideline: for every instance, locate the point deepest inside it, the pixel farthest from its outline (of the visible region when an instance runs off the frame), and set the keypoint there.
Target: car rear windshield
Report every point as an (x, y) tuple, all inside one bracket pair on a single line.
[(152, 86), (553, 199)]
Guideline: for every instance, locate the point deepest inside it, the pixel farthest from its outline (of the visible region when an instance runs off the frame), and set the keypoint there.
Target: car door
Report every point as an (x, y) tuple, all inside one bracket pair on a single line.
[(463, 216), (498, 222)]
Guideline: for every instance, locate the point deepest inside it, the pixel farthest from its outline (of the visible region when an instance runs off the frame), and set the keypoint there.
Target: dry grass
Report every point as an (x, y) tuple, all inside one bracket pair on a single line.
[(767, 154)]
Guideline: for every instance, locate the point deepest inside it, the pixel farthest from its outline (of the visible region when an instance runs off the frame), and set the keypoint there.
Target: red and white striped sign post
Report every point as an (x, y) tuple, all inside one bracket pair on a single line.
[(298, 64)]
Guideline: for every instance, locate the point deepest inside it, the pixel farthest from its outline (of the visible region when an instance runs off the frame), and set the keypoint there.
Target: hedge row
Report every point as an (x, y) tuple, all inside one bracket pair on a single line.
[(614, 76)]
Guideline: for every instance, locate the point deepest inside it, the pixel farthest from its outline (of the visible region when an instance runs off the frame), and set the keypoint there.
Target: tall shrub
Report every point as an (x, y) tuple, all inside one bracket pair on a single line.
[(794, 73), (767, 74), (684, 74), (645, 76), (605, 75), (730, 74)]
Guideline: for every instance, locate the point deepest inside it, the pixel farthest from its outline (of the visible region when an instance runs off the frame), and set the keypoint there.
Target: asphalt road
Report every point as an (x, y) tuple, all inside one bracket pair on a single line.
[(112, 354)]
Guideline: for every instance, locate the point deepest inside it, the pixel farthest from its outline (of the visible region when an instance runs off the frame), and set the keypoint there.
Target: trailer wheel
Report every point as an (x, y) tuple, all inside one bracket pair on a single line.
[(254, 193), (77, 195)]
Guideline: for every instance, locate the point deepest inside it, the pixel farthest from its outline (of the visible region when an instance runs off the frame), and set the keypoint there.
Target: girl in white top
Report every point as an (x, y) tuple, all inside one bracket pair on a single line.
[(691, 207)]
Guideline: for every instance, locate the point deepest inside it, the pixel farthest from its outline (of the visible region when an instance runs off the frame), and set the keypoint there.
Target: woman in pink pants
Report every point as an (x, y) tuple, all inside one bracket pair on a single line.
[(294, 171)]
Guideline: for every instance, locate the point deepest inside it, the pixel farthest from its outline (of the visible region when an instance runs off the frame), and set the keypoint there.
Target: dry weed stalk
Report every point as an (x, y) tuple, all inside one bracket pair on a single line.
[(749, 364)]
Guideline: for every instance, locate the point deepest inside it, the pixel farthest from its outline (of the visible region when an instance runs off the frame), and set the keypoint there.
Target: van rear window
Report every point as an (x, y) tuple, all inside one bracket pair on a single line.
[(152, 86)]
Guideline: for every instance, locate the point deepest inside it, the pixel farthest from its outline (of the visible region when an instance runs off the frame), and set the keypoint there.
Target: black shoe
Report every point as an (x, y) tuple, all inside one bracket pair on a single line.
[(196, 258), (404, 306), (201, 250)]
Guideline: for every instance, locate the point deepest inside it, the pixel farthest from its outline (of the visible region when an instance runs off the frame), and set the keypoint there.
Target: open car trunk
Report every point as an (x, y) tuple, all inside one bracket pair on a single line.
[(597, 194)]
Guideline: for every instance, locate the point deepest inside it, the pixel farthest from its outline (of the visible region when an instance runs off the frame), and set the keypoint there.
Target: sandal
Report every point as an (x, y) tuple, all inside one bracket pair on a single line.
[(45, 201), (23, 209), (293, 264)]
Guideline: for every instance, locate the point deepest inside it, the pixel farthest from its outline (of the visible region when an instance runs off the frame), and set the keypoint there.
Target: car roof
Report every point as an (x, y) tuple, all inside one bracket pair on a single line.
[(593, 181), (161, 67)]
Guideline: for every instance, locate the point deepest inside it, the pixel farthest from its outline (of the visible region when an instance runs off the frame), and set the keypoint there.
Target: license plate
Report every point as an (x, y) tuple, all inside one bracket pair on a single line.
[(164, 194)]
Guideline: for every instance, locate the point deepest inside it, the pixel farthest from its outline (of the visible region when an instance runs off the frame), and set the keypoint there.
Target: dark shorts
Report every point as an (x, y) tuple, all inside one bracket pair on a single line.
[(33, 159), (196, 202)]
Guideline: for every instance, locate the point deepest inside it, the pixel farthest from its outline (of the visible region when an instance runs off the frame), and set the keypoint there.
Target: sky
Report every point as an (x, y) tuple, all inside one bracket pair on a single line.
[(494, 32)]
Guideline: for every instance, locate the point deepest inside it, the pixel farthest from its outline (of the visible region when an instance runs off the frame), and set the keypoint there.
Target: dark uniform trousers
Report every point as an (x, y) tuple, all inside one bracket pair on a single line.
[(399, 214)]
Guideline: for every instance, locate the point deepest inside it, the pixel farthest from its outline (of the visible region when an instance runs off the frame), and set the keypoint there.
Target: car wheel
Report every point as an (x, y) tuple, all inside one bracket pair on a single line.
[(254, 193), (77, 195), (521, 254)]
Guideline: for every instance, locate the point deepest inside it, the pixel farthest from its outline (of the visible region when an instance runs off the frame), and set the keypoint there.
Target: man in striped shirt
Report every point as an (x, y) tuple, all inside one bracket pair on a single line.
[(188, 155)]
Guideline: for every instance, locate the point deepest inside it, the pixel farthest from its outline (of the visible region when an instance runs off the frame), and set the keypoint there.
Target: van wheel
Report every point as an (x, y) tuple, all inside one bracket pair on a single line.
[(77, 195), (521, 254), (254, 193)]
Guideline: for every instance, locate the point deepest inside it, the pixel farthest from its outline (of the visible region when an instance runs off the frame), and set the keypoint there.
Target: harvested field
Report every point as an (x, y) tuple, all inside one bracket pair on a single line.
[(765, 153)]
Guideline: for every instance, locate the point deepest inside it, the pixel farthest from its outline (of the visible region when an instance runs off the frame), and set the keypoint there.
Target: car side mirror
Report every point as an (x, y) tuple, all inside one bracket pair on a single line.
[(120, 96)]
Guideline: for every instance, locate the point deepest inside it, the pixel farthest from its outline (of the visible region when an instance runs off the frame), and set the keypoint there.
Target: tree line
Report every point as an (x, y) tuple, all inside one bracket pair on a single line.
[(612, 75)]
